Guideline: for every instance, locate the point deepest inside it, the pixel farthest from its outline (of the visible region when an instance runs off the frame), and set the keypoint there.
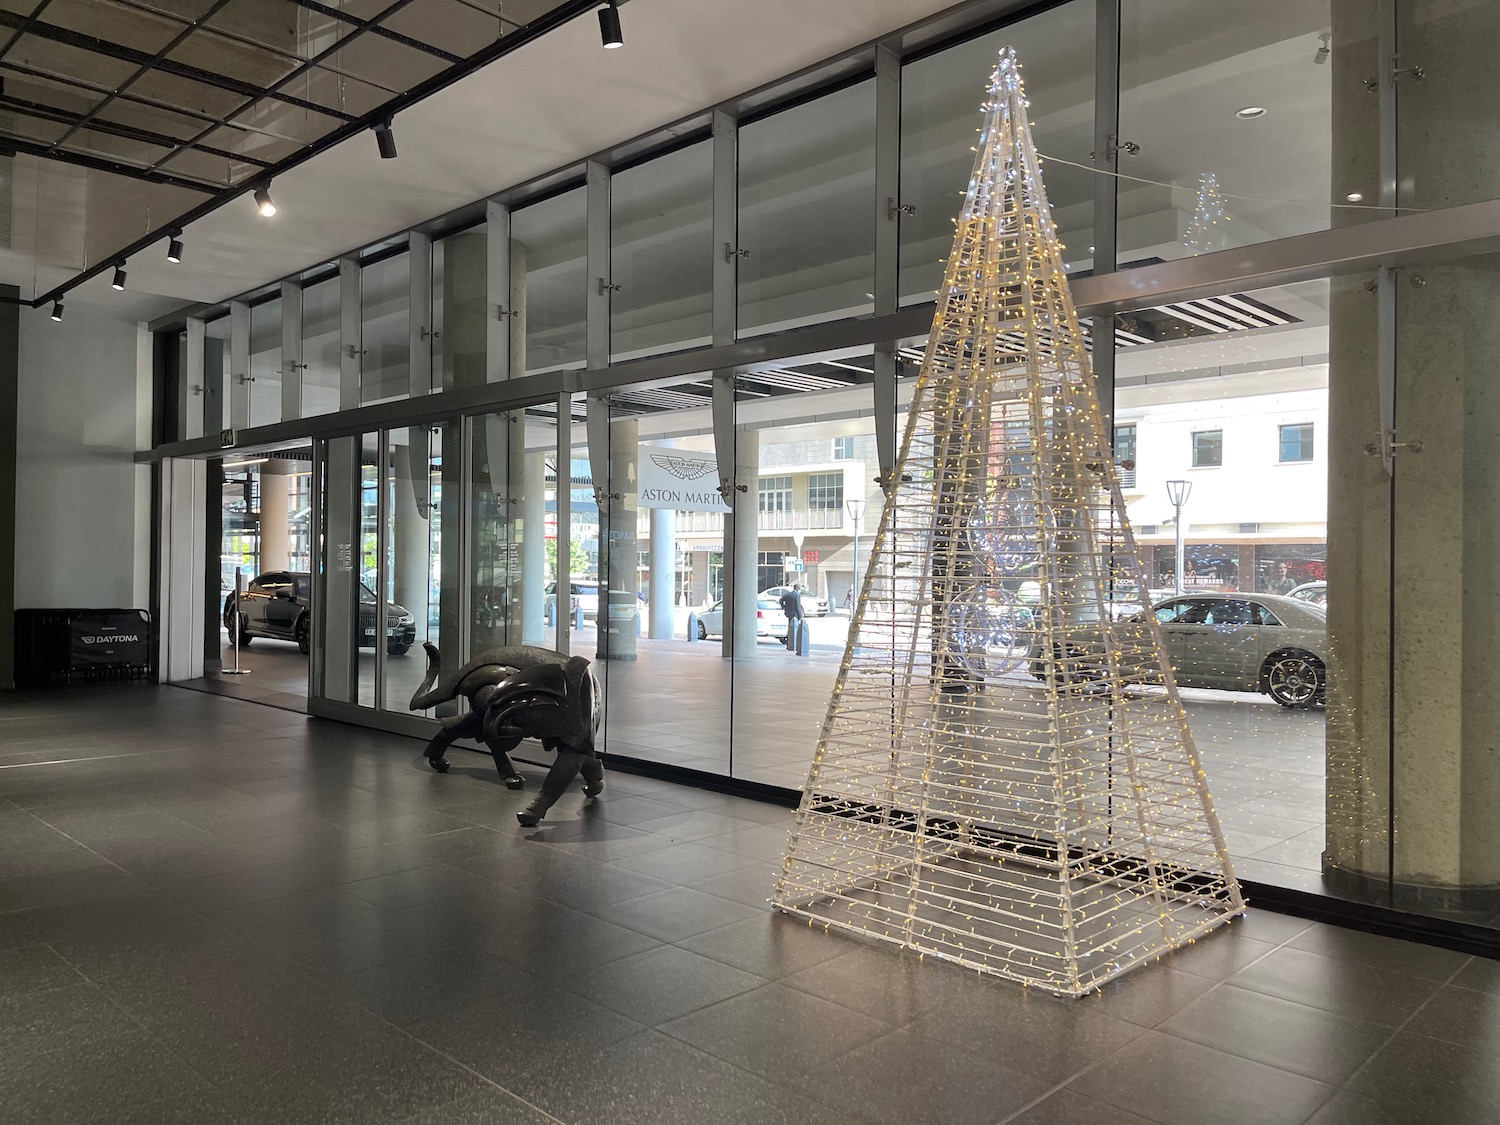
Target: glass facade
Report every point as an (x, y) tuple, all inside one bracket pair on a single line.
[(506, 524)]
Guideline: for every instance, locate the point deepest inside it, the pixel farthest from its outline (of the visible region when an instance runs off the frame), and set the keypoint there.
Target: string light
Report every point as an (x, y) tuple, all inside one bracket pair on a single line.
[(1005, 778), (1207, 229)]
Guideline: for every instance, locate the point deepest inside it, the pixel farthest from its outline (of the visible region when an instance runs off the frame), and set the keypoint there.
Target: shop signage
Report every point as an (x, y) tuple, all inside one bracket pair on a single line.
[(681, 479), (809, 556)]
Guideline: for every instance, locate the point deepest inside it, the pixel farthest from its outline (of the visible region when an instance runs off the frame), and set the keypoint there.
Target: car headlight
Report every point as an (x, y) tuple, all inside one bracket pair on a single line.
[(406, 619)]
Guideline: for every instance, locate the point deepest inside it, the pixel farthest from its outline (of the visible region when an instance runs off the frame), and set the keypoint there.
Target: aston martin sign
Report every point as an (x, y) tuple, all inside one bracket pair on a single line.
[(684, 479)]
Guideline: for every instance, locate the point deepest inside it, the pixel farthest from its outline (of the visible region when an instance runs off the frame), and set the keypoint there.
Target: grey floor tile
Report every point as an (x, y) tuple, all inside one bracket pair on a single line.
[(1349, 1107), (407, 992), (1068, 1107), (34, 968), (93, 1081), (1459, 1015), (922, 1080), (686, 863), (1148, 995), (1388, 954), (653, 1079), (551, 942), (1218, 954), (1280, 1033), (676, 913), (880, 981), (749, 886), (661, 984), (1342, 987), (1481, 974), (776, 1031), (768, 945), (1432, 1080), (1170, 1080), (486, 1107), (1267, 925)]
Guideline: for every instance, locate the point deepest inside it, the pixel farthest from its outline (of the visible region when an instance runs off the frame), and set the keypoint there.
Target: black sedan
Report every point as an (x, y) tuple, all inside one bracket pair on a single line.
[(279, 603)]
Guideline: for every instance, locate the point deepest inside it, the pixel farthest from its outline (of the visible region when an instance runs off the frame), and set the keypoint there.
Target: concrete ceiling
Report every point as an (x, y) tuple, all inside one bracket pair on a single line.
[(550, 103)]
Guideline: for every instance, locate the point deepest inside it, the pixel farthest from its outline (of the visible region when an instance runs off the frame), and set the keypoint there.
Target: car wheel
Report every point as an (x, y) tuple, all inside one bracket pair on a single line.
[(242, 638), (397, 650), (1294, 679), (702, 631), (302, 634)]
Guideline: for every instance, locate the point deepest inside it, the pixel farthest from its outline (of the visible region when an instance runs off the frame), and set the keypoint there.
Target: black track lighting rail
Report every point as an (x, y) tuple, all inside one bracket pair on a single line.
[(253, 173)]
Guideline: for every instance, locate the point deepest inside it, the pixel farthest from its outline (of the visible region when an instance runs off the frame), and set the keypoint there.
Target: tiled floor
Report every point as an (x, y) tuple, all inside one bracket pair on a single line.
[(212, 911)]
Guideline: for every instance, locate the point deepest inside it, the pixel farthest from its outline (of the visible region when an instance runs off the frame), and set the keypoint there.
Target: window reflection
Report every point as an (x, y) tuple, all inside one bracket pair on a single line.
[(547, 258)]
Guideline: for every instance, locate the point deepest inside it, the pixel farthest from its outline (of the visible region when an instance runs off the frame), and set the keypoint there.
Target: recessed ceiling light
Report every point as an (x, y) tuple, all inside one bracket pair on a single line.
[(1355, 196), (1250, 112)]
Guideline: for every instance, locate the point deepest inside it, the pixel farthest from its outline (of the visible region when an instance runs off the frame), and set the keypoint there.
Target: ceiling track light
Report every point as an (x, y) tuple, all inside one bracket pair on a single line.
[(263, 202), (57, 310), (119, 280), (609, 26), (174, 246), (385, 140)]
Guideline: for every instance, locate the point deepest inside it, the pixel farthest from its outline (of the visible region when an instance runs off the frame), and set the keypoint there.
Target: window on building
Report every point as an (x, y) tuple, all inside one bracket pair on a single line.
[(1297, 442), (1125, 454), (843, 449), (825, 491), (1208, 448), (770, 569), (775, 494)]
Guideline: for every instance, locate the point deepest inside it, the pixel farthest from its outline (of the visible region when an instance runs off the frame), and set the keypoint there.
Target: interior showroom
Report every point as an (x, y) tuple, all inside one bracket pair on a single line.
[(677, 561)]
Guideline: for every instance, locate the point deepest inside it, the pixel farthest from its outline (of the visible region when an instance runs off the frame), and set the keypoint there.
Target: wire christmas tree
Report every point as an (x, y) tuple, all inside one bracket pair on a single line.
[(1005, 776), (1208, 228)]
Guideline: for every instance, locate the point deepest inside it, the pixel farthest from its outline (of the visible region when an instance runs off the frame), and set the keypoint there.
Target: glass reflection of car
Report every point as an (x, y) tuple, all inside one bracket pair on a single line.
[(812, 604), (1315, 593), (583, 594), (1234, 642), (711, 620), (278, 604)]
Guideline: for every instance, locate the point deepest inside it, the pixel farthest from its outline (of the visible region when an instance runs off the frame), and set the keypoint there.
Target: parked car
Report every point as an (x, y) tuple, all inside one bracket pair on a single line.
[(767, 612), (279, 603), (1315, 593), (582, 594), (1237, 642), (812, 605)]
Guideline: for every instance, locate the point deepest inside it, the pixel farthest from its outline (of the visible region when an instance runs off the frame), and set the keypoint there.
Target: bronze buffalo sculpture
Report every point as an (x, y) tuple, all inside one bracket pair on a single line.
[(517, 692)]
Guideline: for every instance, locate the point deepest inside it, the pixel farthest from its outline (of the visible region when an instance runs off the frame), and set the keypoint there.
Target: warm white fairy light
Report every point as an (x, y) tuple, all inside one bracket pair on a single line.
[(1208, 228), (1005, 777)]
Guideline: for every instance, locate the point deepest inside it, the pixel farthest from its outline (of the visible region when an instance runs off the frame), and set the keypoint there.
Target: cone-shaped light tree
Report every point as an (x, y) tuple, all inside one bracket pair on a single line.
[(1005, 776)]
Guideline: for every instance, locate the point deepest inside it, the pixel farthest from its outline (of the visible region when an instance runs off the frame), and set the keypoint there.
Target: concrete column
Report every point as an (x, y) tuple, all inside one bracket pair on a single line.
[(534, 576), (497, 324), (275, 535), (410, 510), (743, 545), (517, 309), (464, 331), (617, 525), (1413, 708), (663, 573)]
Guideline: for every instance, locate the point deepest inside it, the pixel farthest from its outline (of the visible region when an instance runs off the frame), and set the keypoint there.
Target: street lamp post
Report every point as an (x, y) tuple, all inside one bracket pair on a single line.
[(1178, 492), (856, 510)]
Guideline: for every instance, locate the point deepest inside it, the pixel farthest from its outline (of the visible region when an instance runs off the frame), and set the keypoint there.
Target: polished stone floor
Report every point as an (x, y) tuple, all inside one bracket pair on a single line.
[(214, 911), (683, 703)]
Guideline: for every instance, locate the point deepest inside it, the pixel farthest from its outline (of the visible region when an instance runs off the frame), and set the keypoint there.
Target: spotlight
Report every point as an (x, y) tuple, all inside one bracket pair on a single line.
[(263, 202), (609, 26), (1320, 56), (385, 141), (1250, 112), (1355, 196), (57, 309), (174, 247), (119, 281)]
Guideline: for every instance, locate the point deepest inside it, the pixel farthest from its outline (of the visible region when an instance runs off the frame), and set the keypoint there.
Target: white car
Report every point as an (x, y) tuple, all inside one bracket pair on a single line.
[(1314, 593), (812, 605), (582, 594), (711, 620)]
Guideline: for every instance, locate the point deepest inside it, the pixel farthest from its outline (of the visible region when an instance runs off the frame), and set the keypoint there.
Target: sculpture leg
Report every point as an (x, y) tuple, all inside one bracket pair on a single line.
[(454, 727), (563, 771), (506, 768), (593, 775)]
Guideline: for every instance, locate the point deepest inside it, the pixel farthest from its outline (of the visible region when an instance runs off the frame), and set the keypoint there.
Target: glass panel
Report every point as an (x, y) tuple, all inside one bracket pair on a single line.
[(337, 596), (385, 302), (265, 363), (547, 249), (661, 216), (367, 625), (458, 303), (216, 375), (807, 540), (1232, 107), (806, 217), (1252, 526), (940, 114), (418, 512), (668, 684), (320, 348)]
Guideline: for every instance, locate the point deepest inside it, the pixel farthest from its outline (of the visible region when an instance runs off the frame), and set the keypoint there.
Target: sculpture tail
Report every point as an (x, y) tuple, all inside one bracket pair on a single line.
[(424, 696)]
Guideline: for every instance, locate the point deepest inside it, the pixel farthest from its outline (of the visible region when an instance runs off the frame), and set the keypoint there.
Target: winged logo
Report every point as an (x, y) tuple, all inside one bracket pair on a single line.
[(683, 468)]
